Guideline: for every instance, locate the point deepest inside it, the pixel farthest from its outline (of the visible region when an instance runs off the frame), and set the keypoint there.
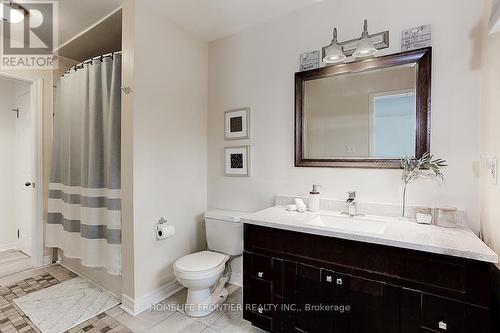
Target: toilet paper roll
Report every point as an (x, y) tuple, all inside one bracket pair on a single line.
[(164, 231)]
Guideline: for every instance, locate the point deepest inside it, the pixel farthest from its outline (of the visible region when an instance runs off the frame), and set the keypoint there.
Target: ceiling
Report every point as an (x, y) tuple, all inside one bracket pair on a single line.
[(209, 19), (214, 19), (76, 16), (495, 17), (104, 38)]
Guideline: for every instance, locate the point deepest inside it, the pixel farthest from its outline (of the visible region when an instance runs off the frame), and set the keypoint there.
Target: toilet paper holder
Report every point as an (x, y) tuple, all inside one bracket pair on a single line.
[(163, 231)]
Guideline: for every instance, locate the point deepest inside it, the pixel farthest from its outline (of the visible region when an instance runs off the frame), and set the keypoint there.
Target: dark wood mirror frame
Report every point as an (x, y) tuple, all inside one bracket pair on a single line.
[(423, 59)]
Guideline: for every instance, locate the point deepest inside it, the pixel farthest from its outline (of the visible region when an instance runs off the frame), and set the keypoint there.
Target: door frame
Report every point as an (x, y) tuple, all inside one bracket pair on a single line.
[(372, 110), (37, 225)]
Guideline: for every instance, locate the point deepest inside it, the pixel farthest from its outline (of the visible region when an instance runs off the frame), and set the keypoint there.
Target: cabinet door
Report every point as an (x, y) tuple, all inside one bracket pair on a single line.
[(410, 310), (312, 298), (373, 307)]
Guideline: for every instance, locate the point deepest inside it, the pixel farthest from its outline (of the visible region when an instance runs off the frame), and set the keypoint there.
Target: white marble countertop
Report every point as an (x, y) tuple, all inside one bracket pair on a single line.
[(457, 242)]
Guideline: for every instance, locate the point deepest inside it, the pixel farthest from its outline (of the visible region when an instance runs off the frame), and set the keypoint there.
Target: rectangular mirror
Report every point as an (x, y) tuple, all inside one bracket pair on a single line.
[(368, 113)]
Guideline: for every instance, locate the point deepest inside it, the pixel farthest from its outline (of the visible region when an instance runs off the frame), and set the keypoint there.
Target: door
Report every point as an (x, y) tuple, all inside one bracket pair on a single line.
[(25, 168)]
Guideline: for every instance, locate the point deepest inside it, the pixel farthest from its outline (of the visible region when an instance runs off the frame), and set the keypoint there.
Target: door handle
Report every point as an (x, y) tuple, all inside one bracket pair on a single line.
[(29, 184)]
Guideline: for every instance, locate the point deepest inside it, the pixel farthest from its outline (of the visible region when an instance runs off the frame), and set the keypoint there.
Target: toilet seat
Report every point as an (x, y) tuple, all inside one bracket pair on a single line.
[(200, 265)]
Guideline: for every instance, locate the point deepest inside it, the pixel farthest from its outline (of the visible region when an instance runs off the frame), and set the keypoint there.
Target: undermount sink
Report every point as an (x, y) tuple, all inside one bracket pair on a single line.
[(345, 223)]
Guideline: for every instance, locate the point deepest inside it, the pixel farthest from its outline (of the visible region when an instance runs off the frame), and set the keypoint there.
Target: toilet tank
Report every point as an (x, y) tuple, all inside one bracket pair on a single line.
[(224, 231)]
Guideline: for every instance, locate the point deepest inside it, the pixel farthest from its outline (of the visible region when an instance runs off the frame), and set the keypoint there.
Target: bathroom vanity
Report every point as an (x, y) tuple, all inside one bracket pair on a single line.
[(323, 272)]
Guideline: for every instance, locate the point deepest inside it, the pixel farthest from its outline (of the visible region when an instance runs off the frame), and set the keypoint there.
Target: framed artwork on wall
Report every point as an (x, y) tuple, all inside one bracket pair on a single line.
[(237, 124), (237, 161)]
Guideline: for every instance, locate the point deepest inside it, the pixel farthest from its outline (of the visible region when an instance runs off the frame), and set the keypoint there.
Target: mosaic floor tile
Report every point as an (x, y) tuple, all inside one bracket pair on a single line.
[(13, 320)]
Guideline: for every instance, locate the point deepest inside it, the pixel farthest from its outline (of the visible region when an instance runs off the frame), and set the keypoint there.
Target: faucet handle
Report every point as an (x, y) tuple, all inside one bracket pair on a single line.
[(352, 195), (315, 189)]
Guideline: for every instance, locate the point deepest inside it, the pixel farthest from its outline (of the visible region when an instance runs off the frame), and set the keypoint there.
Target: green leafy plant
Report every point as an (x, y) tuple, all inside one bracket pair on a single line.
[(424, 167)]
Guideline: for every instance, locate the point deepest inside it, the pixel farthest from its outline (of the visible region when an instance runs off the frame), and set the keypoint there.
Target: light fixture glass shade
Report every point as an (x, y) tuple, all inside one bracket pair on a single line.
[(334, 53), (11, 14), (365, 46)]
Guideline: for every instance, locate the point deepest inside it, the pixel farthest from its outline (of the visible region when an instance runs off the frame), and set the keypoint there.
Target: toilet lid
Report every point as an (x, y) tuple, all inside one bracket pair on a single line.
[(201, 261)]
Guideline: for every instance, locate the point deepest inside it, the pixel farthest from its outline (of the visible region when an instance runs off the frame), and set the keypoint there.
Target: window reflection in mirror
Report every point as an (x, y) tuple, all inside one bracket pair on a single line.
[(369, 114)]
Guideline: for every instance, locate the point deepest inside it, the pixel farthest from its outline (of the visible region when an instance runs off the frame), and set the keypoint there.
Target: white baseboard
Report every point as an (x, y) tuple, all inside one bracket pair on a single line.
[(9, 246), (136, 306)]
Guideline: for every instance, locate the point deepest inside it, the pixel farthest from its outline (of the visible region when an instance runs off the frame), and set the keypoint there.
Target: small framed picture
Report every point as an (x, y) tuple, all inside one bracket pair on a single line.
[(237, 162), (237, 124)]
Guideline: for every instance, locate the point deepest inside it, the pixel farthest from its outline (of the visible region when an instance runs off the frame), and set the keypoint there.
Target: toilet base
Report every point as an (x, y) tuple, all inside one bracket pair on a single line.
[(202, 302), (196, 306)]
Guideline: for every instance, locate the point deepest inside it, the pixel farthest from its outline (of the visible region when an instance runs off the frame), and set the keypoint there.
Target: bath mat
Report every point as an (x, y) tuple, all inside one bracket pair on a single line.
[(66, 305)]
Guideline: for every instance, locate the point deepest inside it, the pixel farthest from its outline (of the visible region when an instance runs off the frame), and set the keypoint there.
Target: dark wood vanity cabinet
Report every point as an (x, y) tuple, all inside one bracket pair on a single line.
[(297, 282)]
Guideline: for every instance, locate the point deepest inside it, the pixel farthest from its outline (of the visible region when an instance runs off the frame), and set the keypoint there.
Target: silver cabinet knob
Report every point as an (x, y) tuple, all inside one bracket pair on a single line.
[(339, 281), (260, 274), (329, 279), (442, 325)]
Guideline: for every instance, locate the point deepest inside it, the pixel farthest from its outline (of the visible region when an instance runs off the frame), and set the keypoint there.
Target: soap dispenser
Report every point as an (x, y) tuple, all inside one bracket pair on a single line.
[(314, 199)]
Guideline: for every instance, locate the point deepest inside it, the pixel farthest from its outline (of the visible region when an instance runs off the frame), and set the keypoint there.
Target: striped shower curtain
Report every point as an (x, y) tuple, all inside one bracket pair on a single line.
[(84, 209)]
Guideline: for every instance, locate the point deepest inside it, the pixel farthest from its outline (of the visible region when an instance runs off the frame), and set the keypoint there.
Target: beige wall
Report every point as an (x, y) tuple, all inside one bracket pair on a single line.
[(256, 68), (167, 133), (8, 223), (337, 110), (490, 137), (128, 257), (63, 65)]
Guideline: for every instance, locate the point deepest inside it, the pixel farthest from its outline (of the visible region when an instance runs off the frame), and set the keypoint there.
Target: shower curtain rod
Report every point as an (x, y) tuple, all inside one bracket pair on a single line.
[(89, 61)]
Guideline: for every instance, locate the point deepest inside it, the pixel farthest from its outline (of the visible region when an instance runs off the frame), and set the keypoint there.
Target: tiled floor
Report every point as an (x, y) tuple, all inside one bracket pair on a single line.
[(168, 316), (12, 319), (13, 261)]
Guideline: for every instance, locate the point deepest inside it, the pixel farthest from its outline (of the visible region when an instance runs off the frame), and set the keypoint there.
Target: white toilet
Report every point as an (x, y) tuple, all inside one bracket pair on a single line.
[(201, 272)]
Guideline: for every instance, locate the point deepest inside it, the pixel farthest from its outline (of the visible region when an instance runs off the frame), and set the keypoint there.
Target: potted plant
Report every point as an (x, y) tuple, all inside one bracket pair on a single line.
[(423, 167)]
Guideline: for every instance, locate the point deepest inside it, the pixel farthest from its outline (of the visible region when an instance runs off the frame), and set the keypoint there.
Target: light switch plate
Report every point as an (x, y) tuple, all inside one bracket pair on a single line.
[(494, 171), (490, 164)]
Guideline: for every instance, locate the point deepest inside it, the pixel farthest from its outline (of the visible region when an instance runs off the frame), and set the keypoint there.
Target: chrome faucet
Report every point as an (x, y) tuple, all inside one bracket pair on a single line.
[(351, 204)]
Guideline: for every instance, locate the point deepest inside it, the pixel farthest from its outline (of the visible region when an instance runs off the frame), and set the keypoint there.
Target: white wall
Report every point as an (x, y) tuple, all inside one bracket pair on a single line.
[(490, 137), (127, 150), (169, 146), (256, 68), (8, 224)]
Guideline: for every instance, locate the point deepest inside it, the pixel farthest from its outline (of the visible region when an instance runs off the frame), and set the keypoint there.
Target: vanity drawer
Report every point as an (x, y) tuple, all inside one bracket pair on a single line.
[(257, 293), (260, 321), (260, 266), (258, 303), (442, 314)]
